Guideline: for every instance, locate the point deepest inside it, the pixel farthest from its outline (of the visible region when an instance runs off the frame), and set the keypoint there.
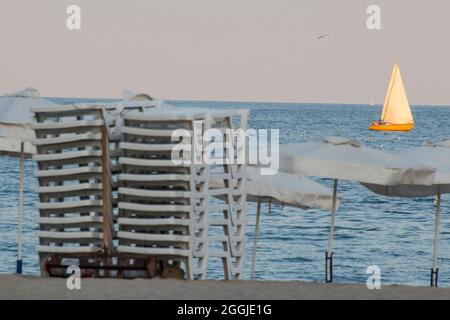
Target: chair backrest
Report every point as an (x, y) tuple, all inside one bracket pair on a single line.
[(163, 198), (169, 217), (75, 183)]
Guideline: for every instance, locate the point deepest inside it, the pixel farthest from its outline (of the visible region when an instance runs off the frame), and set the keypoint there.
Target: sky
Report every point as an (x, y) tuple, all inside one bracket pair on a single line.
[(229, 50)]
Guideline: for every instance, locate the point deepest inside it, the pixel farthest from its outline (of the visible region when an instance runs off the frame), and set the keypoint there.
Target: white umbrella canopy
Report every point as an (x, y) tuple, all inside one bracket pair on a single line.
[(152, 102), (346, 159), (16, 136), (438, 156), (15, 117), (12, 147), (28, 92), (131, 96), (286, 189)]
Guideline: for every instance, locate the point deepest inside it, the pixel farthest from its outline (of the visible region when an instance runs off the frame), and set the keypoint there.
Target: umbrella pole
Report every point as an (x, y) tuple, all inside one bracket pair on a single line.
[(21, 187), (255, 239), (435, 269), (329, 253)]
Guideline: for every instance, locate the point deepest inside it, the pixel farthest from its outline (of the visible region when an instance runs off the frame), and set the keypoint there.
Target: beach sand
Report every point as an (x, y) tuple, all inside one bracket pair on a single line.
[(15, 287)]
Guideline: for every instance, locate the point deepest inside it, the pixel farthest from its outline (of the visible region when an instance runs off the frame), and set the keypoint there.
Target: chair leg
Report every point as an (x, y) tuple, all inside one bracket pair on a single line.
[(43, 264), (151, 267)]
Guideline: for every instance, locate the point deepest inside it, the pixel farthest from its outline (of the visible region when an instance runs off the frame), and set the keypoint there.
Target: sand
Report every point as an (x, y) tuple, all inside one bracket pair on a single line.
[(15, 287)]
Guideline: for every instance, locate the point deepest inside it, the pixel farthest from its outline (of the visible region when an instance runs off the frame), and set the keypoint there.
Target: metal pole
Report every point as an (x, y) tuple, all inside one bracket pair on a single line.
[(329, 253), (21, 186), (435, 269), (255, 239)]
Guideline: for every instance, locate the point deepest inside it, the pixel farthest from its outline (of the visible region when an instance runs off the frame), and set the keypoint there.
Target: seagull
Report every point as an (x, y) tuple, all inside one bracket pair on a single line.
[(322, 36)]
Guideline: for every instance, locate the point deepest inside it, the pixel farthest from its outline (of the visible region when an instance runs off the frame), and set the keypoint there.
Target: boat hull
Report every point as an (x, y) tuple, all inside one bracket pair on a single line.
[(377, 126)]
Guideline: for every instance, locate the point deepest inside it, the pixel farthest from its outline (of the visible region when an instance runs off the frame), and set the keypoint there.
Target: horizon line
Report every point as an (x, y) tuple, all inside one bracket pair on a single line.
[(256, 102)]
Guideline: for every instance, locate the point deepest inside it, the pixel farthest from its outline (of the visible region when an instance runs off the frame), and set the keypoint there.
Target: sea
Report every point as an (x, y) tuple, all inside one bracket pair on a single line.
[(392, 234)]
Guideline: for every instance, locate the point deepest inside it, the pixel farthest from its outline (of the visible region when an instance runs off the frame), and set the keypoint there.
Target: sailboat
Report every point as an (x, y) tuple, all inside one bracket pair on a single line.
[(396, 115)]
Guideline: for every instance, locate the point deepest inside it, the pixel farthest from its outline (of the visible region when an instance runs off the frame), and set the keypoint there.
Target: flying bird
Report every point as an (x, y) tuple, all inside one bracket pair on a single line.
[(322, 36)]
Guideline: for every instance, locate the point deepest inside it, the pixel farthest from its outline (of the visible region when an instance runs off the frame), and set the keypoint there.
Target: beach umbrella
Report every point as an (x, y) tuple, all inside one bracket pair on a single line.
[(285, 189), (438, 156), (340, 158), (15, 140)]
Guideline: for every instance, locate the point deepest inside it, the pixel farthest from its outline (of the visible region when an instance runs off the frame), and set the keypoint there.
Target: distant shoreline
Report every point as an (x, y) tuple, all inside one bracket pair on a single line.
[(15, 287), (303, 103), (251, 102)]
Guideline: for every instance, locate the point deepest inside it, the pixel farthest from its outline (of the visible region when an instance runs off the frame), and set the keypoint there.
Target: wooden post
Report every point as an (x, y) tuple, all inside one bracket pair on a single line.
[(107, 236)]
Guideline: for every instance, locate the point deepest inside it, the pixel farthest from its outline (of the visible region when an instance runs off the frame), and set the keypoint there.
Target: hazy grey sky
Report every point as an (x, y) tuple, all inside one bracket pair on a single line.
[(246, 50)]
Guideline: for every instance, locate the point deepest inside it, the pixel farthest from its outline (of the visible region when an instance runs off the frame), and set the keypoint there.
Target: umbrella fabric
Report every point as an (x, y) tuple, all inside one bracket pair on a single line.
[(28, 92), (12, 147), (435, 155), (15, 140), (438, 156), (131, 96), (288, 189), (15, 116), (342, 158)]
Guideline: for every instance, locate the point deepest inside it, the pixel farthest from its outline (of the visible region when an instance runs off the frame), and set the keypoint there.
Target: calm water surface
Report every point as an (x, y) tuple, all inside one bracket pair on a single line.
[(395, 234)]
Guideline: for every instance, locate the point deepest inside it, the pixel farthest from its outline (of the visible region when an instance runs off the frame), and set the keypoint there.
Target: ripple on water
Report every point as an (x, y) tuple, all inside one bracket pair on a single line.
[(394, 233)]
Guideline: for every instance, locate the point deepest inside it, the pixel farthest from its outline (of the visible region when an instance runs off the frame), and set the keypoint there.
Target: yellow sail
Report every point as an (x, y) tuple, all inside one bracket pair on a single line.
[(396, 108)]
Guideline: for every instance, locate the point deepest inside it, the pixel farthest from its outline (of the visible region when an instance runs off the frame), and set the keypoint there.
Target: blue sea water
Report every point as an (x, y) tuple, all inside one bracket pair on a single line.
[(396, 234)]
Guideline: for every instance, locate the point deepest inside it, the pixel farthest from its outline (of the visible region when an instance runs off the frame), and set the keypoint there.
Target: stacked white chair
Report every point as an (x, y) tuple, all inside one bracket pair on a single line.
[(226, 210), (156, 208), (75, 187), (168, 219), (165, 206)]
